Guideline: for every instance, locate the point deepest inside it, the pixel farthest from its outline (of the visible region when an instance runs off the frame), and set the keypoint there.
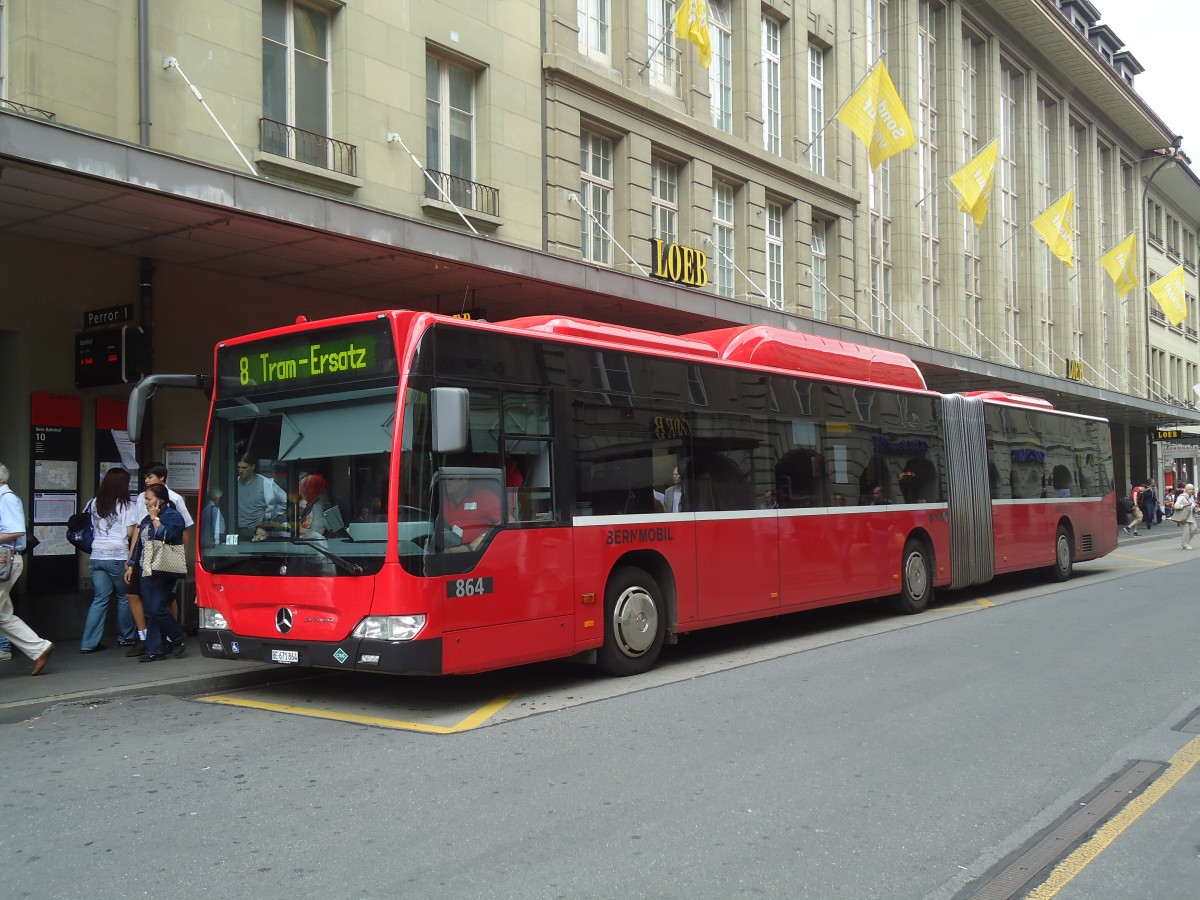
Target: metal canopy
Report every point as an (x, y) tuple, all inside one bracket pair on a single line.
[(61, 185)]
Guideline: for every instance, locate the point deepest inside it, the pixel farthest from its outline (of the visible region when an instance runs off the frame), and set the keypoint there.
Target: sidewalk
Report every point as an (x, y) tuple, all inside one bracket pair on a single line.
[(74, 677), (1162, 531)]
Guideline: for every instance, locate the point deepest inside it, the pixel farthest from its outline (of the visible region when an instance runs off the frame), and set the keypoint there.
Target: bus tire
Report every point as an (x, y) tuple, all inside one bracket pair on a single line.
[(1064, 562), (916, 579), (635, 623)]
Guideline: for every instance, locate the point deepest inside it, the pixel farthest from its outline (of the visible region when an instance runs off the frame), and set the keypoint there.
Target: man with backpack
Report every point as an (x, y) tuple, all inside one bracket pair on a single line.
[(1135, 497)]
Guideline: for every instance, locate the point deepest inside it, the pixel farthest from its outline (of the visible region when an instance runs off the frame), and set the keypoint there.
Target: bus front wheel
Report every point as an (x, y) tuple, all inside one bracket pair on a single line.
[(1064, 561), (916, 579), (635, 623)]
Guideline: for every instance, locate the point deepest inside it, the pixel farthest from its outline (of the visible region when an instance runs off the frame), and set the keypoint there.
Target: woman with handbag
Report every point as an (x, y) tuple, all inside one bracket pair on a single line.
[(156, 559), (113, 524)]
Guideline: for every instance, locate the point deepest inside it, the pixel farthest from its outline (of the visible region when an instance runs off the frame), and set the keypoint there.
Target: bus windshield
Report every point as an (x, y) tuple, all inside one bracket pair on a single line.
[(296, 474)]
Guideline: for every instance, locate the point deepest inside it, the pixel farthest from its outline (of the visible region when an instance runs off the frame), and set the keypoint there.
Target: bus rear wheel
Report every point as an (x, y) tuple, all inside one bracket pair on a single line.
[(916, 579), (1064, 562), (635, 623)]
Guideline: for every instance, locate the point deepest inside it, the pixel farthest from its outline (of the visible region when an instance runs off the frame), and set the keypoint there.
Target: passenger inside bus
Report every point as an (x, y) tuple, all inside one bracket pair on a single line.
[(318, 515)]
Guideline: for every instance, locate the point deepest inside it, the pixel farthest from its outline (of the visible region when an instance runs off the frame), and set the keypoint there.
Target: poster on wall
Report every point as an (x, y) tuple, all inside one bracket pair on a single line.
[(55, 447), (183, 465), (113, 447)]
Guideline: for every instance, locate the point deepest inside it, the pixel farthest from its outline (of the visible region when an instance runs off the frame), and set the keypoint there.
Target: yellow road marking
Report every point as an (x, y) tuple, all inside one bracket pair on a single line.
[(474, 720), (1157, 562), (983, 601), (1181, 763)]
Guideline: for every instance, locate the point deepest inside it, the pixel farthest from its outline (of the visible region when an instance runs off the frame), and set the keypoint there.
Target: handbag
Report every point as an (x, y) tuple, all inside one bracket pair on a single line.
[(7, 557), (161, 558), (1182, 514), (80, 532)]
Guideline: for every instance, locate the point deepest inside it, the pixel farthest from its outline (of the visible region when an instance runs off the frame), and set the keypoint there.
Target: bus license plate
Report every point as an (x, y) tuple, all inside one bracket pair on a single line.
[(285, 656)]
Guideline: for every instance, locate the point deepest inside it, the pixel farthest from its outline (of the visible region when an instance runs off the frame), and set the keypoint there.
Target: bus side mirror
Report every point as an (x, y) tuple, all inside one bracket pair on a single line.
[(450, 408), (136, 412), (144, 390)]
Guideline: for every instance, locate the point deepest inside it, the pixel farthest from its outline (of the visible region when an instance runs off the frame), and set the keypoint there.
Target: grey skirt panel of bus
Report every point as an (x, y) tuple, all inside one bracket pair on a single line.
[(972, 551)]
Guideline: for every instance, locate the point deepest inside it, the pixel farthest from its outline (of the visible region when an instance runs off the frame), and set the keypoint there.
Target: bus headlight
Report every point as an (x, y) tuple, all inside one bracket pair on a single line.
[(210, 618), (389, 628)]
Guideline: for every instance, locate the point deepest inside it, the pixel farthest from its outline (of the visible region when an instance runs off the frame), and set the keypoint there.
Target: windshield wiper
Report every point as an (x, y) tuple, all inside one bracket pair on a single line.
[(352, 568), (225, 563)]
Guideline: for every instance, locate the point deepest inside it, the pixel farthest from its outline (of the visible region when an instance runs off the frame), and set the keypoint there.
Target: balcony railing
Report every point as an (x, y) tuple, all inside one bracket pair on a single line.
[(31, 111), (463, 193), (307, 147)]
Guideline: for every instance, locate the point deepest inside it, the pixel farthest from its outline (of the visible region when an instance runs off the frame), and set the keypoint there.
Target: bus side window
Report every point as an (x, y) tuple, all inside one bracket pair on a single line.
[(529, 496)]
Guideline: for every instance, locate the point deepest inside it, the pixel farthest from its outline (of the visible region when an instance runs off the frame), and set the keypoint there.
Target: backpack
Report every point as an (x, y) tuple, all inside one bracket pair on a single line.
[(1124, 511), (80, 532)]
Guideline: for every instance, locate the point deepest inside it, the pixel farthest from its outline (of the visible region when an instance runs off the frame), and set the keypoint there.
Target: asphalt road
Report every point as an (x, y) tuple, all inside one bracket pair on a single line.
[(842, 755)]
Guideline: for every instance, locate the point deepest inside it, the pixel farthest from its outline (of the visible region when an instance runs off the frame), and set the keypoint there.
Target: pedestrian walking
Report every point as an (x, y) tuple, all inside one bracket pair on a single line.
[(12, 539), (1149, 501), (113, 523), (1185, 515)]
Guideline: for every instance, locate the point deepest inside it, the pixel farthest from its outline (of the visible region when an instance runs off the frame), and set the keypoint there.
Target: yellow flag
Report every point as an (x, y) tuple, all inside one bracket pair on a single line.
[(691, 24), (1168, 291), (1058, 229), (1121, 263), (874, 113), (974, 182)]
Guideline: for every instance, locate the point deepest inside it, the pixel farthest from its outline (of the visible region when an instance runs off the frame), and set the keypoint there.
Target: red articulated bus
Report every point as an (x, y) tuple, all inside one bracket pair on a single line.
[(412, 493)]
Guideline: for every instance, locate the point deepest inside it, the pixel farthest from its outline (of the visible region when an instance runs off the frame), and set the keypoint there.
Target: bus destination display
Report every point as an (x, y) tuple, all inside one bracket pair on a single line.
[(324, 357)]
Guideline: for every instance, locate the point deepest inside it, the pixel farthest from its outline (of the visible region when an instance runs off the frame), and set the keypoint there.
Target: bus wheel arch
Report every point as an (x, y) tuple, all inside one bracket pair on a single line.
[(917, 573), (1064, 551), (638, 613)]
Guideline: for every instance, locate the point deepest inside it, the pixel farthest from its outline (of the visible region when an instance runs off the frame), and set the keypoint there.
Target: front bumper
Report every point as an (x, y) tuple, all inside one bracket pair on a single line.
[(421, 657)]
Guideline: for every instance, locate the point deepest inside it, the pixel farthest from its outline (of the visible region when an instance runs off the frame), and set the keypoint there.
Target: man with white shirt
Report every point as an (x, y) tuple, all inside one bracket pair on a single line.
[(154, 473), (12, 536)]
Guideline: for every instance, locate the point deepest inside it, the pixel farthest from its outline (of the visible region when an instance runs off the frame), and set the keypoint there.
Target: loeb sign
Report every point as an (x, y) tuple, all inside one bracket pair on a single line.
[(683, 265)]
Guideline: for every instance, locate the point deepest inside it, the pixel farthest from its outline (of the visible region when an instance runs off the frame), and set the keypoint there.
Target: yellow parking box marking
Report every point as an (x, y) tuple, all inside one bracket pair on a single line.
[(972, 604), (474, 720), (1181, 763)]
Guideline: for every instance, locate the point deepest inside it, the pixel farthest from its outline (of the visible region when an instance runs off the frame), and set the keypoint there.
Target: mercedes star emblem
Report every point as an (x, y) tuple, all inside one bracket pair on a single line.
[(283, 620)]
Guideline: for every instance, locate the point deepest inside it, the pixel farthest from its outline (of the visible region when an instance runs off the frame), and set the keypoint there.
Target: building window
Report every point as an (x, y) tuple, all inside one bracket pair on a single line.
[(1045, 129), (594, 17), (771, 88), (296, 80), (450, 125), (928, 21), (664, 187), (881, 248), (3, 49), (723, 238), (720, 71), (1105, 182), (596, 197), (820, 270), (879, 194), (660, 36), (972, 258), (775, 255), (1074, 291), (816, 109), (1010, 86)]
